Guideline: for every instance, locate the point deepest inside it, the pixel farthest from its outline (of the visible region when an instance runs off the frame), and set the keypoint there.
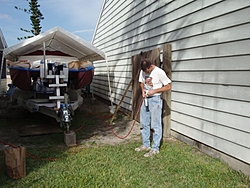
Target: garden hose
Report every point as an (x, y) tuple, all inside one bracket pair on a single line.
[(102, 117)]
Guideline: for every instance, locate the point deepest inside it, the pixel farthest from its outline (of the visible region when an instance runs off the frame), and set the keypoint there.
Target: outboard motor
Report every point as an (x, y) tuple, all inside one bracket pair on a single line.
[(65, 116)]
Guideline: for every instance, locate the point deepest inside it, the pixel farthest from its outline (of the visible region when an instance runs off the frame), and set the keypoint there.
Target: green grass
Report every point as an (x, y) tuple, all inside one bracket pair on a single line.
[(92, 165), (177, 165)]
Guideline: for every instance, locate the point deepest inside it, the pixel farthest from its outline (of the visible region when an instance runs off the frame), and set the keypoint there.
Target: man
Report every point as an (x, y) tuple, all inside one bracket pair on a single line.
[(151, 108)]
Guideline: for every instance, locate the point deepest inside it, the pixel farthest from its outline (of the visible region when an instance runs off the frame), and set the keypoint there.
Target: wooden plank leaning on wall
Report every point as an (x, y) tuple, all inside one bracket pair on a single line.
[(152, 55), (166, 96)]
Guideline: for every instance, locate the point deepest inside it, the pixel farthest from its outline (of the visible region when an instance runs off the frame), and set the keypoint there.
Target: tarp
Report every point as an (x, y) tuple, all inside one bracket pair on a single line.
[(56, 39)]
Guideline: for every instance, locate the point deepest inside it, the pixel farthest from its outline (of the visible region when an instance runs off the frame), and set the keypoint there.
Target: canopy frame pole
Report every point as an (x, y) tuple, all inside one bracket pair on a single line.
[(44, 60), (110, 92)]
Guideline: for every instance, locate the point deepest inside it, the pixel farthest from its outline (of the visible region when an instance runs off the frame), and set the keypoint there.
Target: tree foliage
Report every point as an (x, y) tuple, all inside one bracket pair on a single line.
[(35, 17)]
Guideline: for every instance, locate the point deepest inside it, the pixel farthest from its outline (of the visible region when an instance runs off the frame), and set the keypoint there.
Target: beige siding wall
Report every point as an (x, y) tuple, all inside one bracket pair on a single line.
[(3, 87), (3, 82), (210, 63)]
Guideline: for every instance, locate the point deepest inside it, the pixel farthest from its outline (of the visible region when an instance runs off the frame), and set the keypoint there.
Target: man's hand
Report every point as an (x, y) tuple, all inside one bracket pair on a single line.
[(144, 93), (150, 93)]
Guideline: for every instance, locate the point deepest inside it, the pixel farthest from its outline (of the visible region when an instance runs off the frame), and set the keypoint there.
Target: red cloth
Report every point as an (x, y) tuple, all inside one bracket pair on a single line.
[(21, 78), (81, 79)]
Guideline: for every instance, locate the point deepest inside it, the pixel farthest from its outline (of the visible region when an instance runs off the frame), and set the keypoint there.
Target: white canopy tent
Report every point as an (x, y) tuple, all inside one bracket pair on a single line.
[(56, 39)]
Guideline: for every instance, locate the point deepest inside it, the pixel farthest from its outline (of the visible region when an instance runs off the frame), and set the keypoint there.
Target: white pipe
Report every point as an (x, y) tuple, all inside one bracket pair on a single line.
[(110, 92), (44, 60)]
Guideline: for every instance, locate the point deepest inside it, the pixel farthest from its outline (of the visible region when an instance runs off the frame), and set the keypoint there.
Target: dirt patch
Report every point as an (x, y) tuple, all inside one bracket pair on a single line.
[(99, 129), (91, 122)]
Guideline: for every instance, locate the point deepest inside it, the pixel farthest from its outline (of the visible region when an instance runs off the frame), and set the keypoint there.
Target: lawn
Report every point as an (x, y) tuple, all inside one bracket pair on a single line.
[(113, 165), (177, 165)]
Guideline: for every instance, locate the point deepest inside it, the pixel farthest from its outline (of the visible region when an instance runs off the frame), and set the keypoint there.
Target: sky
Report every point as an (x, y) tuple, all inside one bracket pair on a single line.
[(76, 16)]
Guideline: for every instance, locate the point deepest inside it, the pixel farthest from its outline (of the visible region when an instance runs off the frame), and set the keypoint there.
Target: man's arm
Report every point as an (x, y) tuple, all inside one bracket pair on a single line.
[(160, 90), (143, 90)]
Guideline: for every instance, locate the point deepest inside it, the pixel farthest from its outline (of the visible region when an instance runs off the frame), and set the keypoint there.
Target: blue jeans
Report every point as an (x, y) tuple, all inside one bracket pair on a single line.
[(151, 118)]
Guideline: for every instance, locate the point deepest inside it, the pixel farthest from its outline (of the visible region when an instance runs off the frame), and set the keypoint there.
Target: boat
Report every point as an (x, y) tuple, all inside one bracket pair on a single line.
[(48, 72)]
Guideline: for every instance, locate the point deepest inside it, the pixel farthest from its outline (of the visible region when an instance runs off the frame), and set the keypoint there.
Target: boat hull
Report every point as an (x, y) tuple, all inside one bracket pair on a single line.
[(22, 77)]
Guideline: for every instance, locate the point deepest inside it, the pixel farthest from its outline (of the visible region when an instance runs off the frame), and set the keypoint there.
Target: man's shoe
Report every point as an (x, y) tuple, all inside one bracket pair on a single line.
[(151, 153), (142, 148)]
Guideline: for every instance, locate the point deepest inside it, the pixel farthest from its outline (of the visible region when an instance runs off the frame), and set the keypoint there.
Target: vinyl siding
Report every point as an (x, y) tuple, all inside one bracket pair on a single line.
[(210, 63), (3, 83)]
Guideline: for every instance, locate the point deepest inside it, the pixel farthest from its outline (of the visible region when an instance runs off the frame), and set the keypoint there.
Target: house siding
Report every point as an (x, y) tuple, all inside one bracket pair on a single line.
[(3, 81), (210, 64)]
